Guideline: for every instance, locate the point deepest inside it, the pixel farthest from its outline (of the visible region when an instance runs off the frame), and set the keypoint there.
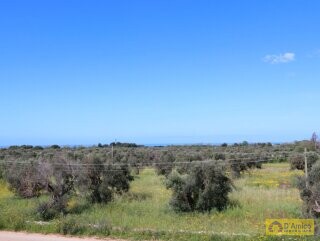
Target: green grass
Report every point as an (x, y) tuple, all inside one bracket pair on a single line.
[(144, 213), (255, 203), (4, 190), (273, 175)]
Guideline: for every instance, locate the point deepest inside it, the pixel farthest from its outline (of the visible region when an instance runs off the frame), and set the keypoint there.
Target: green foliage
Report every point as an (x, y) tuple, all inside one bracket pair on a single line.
[(235, 169), (204, 188), (103, 180), (244, 143), (74, 226), (297, 160), (219, 156), (62, 177), (1, 170), (165, 165), (123, 144), (145, 214), (38, 148), (48, 211), (59, 175), (55, 147), (71, 226), (310, 191), (23, 179), (241, 165)]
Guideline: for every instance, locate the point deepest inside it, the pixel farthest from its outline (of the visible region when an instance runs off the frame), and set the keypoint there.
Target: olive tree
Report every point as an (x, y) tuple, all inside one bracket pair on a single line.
[(297, 160), (58, 177), (102, 180), (165, 164), (310, 191), (22, 177), (203, 188)]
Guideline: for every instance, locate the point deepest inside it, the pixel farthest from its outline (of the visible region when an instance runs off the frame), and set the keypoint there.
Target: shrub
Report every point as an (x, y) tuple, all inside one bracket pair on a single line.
[(57, 178), (2, 224), (77, 205), (38, 148), (55, 147), (219, 156), (238, 166), (297, 160), (165, 166), (163, 169), (71, 226), (310, 193), (23, 179), (204, 188), (235, 170), (103, 180), (1, 170), (46, 211), (60, 175), (51, 175)]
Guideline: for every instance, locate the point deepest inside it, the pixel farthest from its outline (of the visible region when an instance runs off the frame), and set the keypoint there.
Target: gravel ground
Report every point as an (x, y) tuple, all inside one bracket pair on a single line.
[(14, 236)]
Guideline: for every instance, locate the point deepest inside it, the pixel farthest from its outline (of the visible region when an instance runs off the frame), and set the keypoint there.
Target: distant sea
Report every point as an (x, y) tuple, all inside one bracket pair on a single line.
[(157, 144)]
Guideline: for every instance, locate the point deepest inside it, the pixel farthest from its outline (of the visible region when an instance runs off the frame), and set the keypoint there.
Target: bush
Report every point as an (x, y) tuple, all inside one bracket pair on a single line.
[(51, 175), (297, 160), (165, 166), (311, 194), (204, 188), (219, 156), (77, 205), (55, 147), (103, 180), (46, 211), (61, 175), (235, 170), (23, 179), (2, 224), (58, 177), (163, 169), (1, 170), (238, 166), (71, 226), (75, 226)]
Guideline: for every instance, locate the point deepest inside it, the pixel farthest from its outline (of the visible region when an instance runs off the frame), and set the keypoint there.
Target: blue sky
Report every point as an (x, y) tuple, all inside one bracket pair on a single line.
[(169, 71)]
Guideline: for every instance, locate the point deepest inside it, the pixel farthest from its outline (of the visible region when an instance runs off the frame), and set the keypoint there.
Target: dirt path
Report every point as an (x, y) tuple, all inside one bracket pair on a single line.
[(13, 236)]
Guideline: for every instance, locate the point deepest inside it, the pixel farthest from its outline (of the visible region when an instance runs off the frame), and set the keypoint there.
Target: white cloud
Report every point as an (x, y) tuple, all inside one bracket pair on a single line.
[(279, 58)]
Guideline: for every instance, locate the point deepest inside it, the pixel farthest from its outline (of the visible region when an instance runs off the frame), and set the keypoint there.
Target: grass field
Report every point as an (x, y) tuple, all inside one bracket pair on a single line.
[(144, 213)]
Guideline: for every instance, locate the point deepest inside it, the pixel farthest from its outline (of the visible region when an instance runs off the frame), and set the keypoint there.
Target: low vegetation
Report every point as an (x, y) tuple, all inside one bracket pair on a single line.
[(169, 193), (144, 212)]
